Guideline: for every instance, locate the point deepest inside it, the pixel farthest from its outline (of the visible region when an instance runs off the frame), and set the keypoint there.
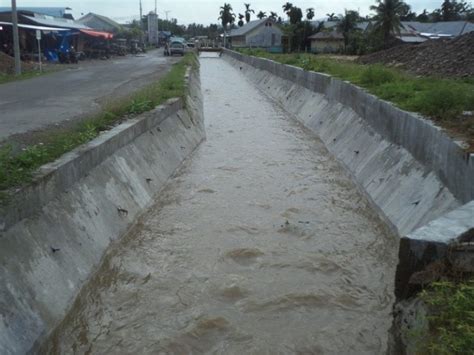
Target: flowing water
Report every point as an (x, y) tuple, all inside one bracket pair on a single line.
[(260, 244)]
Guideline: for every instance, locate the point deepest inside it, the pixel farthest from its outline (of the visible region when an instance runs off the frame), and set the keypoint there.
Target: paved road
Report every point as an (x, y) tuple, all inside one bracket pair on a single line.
[(63, 96)]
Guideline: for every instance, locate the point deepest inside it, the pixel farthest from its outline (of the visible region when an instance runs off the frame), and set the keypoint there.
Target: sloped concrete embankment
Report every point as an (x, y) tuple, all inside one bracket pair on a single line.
[(413, 173), (56, 231)]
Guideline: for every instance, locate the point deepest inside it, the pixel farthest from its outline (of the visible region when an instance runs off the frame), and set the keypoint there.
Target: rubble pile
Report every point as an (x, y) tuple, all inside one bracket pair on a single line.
[(7, 64), (438, 57)]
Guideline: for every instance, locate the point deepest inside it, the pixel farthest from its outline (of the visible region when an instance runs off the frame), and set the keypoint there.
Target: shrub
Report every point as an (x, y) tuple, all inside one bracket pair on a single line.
[(441, 101), (377, 75), (451, 317)]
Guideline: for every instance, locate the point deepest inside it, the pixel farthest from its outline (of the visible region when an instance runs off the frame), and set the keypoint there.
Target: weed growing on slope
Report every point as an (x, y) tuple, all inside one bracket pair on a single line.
[(451, 318)]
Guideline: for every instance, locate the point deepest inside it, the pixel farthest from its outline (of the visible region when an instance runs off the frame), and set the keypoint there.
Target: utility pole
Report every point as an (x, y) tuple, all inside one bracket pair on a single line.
[(167, 23), (141, 14), (141, 24), (156, 8), (16, 39)]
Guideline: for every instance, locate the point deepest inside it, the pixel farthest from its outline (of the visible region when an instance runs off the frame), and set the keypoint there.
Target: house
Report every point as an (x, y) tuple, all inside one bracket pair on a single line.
[(262, 33), (99, 22), (327, 42)]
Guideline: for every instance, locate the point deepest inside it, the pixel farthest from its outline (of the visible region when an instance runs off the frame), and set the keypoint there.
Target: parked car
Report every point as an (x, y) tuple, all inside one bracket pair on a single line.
[(174, 47)]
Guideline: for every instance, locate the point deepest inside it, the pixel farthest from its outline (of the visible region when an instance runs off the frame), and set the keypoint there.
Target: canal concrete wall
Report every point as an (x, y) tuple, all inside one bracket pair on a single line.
[(411, 170), (55, 232)]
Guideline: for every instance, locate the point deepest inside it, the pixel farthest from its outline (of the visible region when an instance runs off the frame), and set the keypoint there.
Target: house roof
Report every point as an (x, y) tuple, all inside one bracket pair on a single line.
[(50, 21), (412, 39), (452, 28), (241, 31), (90, 15), (330, 24), (324, 35), (33, 27), (50, 11)]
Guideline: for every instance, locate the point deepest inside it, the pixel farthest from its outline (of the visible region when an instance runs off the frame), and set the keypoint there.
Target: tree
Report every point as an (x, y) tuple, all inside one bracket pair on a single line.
[(273, 15), (332, 17), (295, 15), (387, 18), (241, 20), (451, 10), (423, 17), (261, 15), (406, 14), (310, 13), (227, 17), (248, 10), (348, 24), (287, 8)]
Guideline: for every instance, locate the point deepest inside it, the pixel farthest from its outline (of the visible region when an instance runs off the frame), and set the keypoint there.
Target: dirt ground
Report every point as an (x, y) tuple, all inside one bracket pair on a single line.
[(7, 64), (452, 58)]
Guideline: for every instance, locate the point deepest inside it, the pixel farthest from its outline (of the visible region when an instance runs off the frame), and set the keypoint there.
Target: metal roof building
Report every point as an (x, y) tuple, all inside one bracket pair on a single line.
[(99, 22), (262, 33), (50, 11)]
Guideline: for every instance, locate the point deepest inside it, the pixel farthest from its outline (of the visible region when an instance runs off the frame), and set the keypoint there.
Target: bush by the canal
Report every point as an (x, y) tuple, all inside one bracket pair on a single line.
[(451, 318), (17, 169), (443, 100)]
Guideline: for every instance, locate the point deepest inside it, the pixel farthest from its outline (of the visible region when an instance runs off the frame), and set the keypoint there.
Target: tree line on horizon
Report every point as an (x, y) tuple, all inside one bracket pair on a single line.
[(298, 24), (386, 22)]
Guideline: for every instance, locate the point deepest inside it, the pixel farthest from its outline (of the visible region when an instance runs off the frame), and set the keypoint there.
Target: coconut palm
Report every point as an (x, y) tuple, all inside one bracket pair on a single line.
[(309, 13), (387, 18), (241, 20), (295, 14), (261, 15), (273, 15), (287, 7), (332, 17), (227, 17), (248, 10), (347, 24)]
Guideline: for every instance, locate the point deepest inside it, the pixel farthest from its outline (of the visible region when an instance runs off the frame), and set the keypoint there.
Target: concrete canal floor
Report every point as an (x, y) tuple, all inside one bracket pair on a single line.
[(260, 244)]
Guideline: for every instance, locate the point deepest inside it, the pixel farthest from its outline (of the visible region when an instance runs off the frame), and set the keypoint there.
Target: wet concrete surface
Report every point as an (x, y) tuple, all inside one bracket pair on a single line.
[(260, 244), (52, 99)]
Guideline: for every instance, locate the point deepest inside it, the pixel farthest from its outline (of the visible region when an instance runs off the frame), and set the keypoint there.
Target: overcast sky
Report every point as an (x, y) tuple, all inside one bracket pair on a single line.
[(205, 11)]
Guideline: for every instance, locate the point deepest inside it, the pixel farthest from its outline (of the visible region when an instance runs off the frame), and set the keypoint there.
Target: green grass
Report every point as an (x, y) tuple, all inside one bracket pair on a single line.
[(18, 169), (6, 78), (438, 98), (451, 318)]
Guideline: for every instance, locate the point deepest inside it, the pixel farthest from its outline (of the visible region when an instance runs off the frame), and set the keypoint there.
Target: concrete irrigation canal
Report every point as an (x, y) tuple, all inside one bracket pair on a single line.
[(277, 234)]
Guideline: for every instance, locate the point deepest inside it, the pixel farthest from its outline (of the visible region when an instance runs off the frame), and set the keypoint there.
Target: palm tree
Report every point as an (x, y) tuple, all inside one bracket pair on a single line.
[(287, 7), (227, 17), (310, 13), (273, 15), (295, 14), (248, 10), (332, 17), (387, 18), (261, 15), (241, 20), (347, 24)]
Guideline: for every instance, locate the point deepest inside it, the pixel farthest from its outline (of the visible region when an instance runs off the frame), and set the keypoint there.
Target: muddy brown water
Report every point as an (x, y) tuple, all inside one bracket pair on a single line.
[(260, 244)]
